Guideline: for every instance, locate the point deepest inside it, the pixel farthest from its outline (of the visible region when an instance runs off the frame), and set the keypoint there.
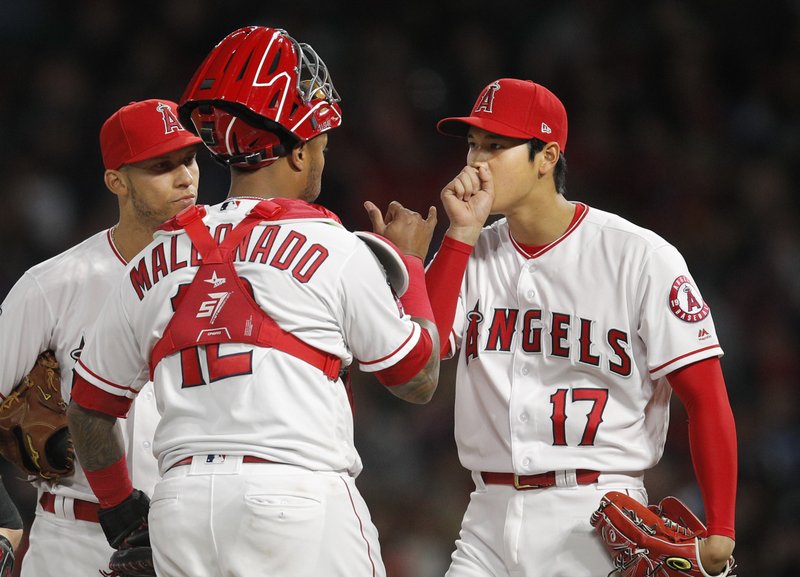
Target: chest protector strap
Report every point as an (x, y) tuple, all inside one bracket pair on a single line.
[(218, 305)]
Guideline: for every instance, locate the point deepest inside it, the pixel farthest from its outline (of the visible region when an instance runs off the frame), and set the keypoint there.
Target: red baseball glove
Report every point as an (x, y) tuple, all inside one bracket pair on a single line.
[(656, 541)]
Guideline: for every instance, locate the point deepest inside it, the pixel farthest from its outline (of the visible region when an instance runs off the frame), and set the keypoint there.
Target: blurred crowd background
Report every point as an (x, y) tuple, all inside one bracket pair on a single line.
[(684, 118)]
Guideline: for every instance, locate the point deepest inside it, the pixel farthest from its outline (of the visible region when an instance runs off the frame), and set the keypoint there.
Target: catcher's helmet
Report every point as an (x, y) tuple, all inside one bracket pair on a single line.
[(257, 94)]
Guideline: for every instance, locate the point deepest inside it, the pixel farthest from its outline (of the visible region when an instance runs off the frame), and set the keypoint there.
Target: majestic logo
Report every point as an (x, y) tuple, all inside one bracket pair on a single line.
[(703, 334), (486, 100), (215, 281), (212, 308), (685, 301), (171, 123)]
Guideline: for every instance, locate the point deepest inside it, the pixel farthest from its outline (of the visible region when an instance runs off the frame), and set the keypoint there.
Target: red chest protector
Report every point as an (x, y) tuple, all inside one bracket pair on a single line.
[(218, 307)]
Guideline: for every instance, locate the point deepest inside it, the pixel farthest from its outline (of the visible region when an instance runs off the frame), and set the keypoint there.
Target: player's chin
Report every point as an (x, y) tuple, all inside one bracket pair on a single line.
[(184, 202)]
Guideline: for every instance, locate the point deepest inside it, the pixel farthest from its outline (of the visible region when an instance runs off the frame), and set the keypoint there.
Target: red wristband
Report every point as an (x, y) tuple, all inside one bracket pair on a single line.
[(111, 485), (415, 300)]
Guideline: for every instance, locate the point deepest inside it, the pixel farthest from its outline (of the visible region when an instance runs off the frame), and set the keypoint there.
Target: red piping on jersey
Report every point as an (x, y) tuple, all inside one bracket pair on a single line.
[(91, 397), (581, 210), (365, 363), (676, 359), (240, 318), (107, 382), (360, 526), (114, 247)]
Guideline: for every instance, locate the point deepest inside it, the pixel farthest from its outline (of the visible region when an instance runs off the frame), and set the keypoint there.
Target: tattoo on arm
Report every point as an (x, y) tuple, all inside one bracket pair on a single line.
[(96, 436)]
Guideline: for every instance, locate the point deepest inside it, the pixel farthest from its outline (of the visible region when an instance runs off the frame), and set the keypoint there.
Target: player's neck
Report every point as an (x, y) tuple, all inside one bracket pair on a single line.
[(267, 182), (542, 223), (130, 238)]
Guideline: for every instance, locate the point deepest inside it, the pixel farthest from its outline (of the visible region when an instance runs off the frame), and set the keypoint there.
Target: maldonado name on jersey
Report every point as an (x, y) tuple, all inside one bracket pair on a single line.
[(294, 253)]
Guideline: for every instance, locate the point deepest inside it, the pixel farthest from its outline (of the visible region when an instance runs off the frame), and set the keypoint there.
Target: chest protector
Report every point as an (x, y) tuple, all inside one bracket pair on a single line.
[(218, 307)]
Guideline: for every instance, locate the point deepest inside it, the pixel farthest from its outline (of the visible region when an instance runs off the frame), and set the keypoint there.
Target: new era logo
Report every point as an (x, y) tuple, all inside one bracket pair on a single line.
[(546, 129)]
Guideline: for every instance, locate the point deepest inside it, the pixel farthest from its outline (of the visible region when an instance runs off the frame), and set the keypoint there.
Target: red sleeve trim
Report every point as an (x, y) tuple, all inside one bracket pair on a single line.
[(104, 381), (410, 365), (676, 359), (93, 398), (394, 352), (712, 440)]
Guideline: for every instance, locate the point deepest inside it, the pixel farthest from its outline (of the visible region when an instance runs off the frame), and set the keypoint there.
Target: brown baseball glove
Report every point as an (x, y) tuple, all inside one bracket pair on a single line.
[(33, 423), (656, 541)]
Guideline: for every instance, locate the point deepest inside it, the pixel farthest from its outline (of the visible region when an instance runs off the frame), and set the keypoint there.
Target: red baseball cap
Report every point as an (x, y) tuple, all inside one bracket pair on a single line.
[(142, 130), (514, 108)]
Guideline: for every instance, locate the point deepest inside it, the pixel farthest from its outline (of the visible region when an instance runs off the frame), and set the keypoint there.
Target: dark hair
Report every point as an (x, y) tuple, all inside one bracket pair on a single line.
[(560, 173)]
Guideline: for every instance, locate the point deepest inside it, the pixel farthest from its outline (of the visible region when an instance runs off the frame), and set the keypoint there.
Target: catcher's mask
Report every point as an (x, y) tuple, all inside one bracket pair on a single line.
[(256, 95)]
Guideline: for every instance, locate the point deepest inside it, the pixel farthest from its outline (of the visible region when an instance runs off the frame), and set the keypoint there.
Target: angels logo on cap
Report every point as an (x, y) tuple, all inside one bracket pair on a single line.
[(516, 109), (486, 99), (171, 122), (142, 130)]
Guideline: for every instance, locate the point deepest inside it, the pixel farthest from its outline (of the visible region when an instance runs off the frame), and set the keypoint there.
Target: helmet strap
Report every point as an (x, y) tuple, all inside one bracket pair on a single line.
[(254, 160)]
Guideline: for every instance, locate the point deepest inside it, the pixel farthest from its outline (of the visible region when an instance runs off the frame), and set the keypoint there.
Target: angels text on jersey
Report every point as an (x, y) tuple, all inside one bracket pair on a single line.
[(555, 336)]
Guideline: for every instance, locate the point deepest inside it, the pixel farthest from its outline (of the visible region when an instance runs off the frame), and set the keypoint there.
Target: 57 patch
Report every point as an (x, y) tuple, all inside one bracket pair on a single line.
[(685, 301)]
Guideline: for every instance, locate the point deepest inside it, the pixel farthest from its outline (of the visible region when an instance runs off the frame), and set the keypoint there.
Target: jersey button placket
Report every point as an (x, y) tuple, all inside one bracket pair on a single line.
[(524, 369)]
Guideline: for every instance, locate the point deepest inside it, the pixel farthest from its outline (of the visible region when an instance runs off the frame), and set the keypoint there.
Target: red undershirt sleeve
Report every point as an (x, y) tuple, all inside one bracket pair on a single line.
[(712, 440), (443, 277)]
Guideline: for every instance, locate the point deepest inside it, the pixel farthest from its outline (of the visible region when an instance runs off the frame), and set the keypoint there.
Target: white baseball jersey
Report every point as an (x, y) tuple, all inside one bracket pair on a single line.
[(52, 307), (316, 280), (564, 355)]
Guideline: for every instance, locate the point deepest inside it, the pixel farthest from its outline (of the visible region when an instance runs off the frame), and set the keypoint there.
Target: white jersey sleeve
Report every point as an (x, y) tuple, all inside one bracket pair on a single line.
[(675, 322), (26, 327), (127, 363), (366, 296)]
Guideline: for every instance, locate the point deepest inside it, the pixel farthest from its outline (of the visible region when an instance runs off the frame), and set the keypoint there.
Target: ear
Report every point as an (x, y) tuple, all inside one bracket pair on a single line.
[(116, 182), (550, 155), (297, 157)]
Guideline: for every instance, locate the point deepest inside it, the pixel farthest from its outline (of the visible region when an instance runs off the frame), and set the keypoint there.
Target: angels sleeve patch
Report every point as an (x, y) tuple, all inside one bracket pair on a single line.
[(685, 301)]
